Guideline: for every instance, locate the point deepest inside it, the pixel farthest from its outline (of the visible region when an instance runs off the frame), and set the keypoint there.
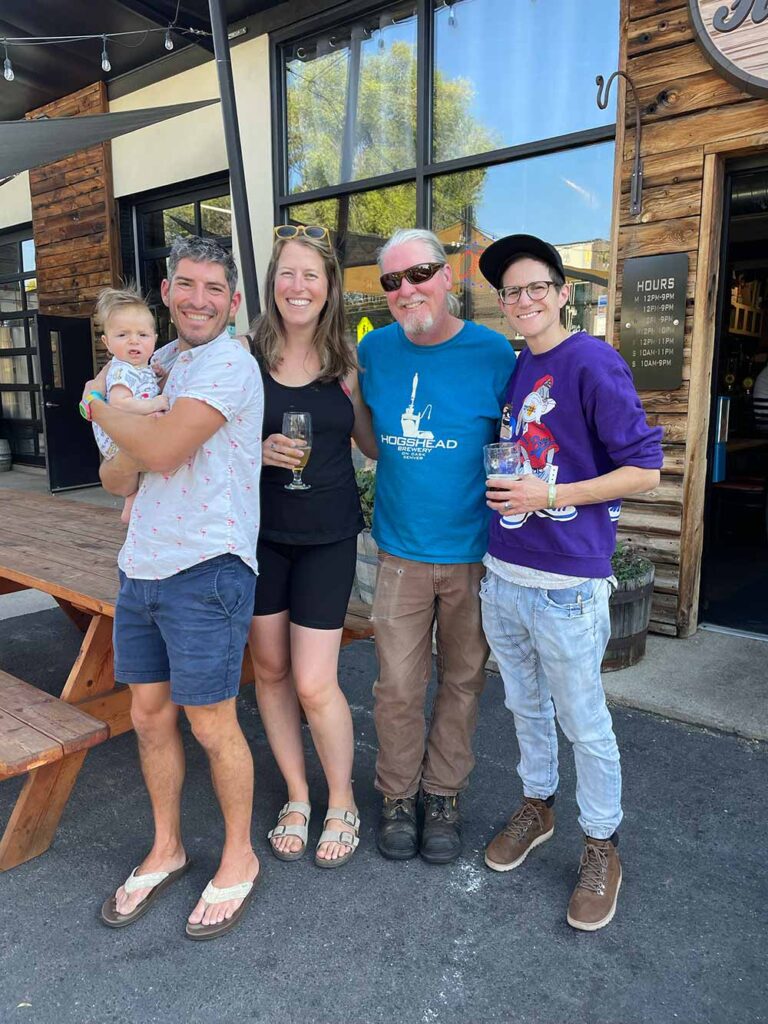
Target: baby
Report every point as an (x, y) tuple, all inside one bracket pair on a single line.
[(131, 385)]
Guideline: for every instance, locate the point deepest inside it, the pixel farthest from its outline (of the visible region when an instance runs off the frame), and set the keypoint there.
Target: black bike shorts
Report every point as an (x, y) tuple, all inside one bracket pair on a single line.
[(312, 581)]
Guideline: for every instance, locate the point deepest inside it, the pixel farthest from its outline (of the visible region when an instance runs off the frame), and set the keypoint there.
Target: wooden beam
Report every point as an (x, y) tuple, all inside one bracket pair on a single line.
[(699, 399), (659, 30), (621, 113)]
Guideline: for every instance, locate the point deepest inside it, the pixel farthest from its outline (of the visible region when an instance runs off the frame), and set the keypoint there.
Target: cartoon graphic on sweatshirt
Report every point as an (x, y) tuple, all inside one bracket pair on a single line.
[(539, 450)]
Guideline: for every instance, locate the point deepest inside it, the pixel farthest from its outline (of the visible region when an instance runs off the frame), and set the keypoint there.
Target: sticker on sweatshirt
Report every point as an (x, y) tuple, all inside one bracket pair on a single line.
[(539, 447), (415, 442)]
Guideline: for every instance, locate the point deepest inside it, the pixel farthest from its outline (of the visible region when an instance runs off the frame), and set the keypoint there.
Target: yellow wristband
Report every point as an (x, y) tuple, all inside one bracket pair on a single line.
[(552, 495)]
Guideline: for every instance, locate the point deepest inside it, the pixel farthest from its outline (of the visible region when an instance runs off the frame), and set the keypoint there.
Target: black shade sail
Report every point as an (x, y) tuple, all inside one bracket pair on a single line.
[(28, 144)]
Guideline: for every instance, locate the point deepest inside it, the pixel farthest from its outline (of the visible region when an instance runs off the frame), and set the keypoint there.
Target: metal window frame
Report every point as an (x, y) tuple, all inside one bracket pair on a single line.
[(195, 192), (425, 169), (187, 194)]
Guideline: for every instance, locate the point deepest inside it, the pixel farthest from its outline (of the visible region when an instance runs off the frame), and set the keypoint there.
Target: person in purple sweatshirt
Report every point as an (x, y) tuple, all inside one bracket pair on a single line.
[(585, 444)]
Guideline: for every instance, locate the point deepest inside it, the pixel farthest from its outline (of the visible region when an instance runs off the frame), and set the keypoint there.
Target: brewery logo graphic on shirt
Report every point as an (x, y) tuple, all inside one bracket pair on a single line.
[(539, 449), (415, 442)]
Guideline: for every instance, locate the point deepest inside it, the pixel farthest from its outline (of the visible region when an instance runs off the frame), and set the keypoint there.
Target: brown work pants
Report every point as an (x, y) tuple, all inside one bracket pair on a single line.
[(410, 597)]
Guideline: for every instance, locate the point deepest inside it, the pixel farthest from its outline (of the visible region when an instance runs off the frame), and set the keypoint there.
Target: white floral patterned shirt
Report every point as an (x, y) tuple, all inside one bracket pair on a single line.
[(210, 505)]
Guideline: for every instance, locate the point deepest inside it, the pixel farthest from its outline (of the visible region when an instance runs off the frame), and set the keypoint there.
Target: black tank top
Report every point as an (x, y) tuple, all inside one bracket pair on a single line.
[(330, 511)]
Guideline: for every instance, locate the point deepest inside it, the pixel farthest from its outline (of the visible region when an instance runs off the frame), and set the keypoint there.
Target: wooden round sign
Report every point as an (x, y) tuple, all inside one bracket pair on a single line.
[(734, 36)]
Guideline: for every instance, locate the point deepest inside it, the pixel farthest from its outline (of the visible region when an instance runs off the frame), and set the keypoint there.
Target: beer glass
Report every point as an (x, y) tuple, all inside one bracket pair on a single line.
[(298, 426), (502, 460)]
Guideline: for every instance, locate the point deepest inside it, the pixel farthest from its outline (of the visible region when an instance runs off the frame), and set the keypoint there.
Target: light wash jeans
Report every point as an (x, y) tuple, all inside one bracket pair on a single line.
[(549, 645)]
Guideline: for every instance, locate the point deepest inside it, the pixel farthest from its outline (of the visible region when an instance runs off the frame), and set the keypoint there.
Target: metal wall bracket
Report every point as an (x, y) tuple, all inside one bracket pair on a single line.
[(636, 189)]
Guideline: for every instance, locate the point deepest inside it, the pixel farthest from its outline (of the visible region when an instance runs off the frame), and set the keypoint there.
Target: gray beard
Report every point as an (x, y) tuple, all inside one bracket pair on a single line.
[(414, 324)]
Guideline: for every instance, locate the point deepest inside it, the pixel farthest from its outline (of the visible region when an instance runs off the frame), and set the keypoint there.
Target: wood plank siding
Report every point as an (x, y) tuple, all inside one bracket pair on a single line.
[(73, 216), (692, 119)]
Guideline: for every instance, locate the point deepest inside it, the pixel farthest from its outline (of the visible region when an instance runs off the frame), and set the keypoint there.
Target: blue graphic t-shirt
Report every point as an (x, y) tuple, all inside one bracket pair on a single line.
[(433, 407)]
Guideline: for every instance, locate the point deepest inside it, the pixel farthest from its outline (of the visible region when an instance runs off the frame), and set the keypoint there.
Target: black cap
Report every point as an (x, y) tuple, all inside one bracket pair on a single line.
[(498, 256)]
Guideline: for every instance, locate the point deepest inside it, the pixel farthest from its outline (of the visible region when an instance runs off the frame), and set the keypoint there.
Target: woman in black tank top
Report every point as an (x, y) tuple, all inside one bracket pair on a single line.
[(307, 539)]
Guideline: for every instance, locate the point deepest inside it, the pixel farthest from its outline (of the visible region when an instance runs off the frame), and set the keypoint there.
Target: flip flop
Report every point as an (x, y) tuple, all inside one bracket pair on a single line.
[(212, 894), (331, 835), (158, 881), (297, 807)]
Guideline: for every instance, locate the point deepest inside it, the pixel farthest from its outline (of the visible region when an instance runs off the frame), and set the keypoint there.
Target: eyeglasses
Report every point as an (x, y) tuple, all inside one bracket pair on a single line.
[(536, 291), (414, 275), (293, 230)]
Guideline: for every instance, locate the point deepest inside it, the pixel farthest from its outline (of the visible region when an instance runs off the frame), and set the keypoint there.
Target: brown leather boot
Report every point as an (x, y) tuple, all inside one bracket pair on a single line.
[(593, 902), (398, 835), (532, 824)]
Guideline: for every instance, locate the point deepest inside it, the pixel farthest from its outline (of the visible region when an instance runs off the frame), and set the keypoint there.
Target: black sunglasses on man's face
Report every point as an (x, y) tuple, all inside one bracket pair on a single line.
[(414, 275)]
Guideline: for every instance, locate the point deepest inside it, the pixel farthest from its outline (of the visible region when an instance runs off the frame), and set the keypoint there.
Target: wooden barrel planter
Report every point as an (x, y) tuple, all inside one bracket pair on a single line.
[(367, 562), (5, 456), (630, 608)]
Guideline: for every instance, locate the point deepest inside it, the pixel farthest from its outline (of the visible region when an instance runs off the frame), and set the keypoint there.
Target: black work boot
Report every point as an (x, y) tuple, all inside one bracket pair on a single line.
[(398, 834), (441, 834)]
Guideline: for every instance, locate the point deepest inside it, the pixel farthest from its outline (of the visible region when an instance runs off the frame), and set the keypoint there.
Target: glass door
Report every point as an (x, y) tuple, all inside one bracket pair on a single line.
[(735, 556)]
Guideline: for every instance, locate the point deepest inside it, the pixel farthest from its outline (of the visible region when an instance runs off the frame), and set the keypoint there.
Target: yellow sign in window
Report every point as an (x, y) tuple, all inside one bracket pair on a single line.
[(364, 325)]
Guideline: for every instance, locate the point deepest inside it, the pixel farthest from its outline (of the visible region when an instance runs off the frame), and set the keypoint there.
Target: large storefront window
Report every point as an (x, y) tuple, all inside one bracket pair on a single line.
[(476, 118), (160, 220), (20, 413), (511, 73), (351, 101), (563, 197)]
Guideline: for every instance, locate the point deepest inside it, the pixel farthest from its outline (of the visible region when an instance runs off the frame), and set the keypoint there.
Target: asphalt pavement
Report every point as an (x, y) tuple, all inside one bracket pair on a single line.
[(379, 942)]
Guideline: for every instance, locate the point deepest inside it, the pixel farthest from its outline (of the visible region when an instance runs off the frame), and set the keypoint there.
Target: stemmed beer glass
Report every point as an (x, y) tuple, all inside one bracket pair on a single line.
[(298, 426)]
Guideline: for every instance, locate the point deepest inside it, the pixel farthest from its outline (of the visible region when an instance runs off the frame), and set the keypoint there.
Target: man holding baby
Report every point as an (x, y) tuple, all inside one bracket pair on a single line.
[(187, 579)]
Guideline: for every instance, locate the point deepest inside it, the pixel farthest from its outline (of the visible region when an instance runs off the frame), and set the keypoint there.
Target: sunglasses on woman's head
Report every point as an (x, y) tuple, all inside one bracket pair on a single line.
[(315, 231), (413, 275)]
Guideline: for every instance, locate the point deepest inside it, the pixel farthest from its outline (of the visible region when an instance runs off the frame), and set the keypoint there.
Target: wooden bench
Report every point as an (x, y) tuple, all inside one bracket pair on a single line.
[(38, 729)]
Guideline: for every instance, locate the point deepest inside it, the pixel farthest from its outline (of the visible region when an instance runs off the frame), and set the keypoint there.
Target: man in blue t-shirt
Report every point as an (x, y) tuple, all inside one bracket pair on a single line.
[(434, 384), (584, 444)]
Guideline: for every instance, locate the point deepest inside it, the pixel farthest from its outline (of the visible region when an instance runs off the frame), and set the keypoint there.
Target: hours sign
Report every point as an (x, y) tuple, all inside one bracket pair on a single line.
[(734, 36), (653, 319)]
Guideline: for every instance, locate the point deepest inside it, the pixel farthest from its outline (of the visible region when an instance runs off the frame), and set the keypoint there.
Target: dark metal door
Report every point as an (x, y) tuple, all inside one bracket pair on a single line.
[(66, 362)]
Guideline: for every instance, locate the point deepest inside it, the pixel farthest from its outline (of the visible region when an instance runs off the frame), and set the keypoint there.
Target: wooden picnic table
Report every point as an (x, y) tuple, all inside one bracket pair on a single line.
[(69, 550)]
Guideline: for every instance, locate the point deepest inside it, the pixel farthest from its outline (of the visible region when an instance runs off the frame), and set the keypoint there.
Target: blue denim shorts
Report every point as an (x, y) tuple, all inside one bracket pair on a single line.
[(190, 628)]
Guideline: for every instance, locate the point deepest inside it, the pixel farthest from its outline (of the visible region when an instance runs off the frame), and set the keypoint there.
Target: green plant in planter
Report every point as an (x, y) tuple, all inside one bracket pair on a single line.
[(628, 564), (366, 486), (629, 606)]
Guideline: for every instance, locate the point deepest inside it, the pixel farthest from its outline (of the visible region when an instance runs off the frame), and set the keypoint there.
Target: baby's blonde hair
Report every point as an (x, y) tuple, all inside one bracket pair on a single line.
[(112, 300)]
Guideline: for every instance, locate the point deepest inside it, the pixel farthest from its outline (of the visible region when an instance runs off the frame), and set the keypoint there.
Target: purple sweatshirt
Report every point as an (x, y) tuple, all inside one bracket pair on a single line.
[(577, 415)]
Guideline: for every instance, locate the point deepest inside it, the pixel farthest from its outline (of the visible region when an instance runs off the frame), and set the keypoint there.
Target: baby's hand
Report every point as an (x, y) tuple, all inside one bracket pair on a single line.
[(161, 373), (161, 404)]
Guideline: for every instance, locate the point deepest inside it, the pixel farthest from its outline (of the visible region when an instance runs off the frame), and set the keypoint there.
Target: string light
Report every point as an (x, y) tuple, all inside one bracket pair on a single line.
[(114, 37), (8, 74)]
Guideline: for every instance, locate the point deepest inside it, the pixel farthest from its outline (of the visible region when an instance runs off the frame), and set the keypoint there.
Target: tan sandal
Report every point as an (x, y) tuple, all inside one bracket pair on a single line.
[(212, 894), (300, 831), (332, 835), (155, 882)]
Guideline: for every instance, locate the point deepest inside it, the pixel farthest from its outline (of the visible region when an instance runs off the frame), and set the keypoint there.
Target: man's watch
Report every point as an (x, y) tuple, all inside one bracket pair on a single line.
[(85, 405)]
